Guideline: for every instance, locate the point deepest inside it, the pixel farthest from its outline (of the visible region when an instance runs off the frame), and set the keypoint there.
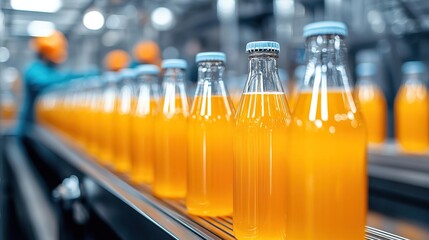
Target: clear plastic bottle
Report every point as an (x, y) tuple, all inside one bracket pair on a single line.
[(106, 119), (412, 109), (122, 121), (260, 142), (146, 97), (372, 102), (327, 178), (210, 133), (171, 129)]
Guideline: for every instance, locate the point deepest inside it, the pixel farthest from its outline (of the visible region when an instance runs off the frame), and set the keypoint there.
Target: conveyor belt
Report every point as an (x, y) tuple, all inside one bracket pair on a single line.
[(168, 215)]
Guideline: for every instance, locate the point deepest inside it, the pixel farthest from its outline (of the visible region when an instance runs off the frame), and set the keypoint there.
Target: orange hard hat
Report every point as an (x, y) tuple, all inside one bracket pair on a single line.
[(52, 47), (147, 52), (116, 60)]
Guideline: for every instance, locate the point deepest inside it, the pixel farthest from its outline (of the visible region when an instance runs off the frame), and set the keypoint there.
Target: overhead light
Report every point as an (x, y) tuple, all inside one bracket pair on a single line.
[(40, 28), (226, 9), (93, 20), (162, 19), (4, 54), (116, 22), (49, 6)]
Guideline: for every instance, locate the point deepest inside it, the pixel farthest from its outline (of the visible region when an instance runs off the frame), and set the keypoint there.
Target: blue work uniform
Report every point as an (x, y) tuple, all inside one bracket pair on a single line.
[(38, 76)]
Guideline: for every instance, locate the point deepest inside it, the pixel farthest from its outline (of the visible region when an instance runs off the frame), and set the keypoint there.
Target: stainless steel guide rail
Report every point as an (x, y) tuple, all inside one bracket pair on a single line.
[(169, 216)]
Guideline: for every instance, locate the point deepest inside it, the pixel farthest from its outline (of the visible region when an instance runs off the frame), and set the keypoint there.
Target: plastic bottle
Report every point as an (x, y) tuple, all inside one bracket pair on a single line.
[(260, 142), (412, 109), (146, 97), (171, 130), (210, 133), (372, 102), (327, 178)]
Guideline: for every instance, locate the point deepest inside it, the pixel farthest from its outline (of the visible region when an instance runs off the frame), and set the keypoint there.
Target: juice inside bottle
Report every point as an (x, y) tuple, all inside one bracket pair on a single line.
[(210, 134), (143, 133), (372, 103), (327, 179), (106, 120), (122, 122), (260, 143), (412, 110), (171, 131)]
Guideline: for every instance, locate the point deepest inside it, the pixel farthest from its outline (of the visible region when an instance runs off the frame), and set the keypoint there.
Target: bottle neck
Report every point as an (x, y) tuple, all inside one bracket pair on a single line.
[(174, 75), (413, 78), (147, 79), (211, 71), (326, 57), (263, 73)]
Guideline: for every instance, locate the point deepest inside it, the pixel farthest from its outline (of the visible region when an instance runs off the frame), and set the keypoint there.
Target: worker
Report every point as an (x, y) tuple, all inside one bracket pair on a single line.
[(147, 52), (116, 60), (43, 72)]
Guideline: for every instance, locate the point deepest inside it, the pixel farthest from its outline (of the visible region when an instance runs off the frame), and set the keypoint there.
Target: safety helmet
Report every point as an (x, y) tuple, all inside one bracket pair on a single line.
[(116, 60), (53, 47)]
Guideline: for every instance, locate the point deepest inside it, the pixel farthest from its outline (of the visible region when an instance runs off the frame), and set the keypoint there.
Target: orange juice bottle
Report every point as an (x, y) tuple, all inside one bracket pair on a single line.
[(171, 130), (92, 124), (326, 164), (210, 133), (144, 108), (106, 135), (260, 142), (412, 109), (122, 121), (372, 103)]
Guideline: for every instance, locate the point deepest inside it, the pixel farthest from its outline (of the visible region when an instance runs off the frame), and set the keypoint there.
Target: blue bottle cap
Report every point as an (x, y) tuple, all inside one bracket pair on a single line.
[(148, 69), (413, 67), (110, 76), (174, 63), (127, 73), (366, 70), (210, 56), (325, 27), (263, 46)]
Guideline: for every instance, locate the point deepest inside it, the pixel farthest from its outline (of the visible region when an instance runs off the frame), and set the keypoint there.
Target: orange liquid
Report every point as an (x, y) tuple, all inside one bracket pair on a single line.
[(122, 139), (105, 137), (373, 107), (327, 180), (171, 156), (412, 117), (210, 133), (260, 165), (143, 139)]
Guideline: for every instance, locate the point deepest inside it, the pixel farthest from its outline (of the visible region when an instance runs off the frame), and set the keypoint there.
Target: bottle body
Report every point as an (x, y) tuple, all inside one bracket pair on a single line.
[(260, 140), (143, 147), (412, 117), (327, 179), (171, 143), (373, 106), (210, 133), (106, 125), (122, 128)]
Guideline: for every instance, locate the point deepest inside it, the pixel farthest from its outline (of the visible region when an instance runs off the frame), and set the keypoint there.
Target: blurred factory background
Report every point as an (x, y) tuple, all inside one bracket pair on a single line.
[(384, 32)]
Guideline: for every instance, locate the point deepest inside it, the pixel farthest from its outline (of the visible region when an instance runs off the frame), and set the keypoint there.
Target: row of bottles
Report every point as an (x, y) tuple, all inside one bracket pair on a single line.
[(411, 107), (300, 175)]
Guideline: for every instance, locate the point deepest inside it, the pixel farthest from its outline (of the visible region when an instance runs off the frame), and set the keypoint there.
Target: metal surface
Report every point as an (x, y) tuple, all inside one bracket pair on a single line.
[(169, 215), (41, 216)]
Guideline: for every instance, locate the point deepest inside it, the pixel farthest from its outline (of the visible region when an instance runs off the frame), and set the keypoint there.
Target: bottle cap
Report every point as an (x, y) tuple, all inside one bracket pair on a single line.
[(325, 27), (413, 67), (263, 46), (174, 63), (210, 56), (127, 73), (148, 69), (366, 70)]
